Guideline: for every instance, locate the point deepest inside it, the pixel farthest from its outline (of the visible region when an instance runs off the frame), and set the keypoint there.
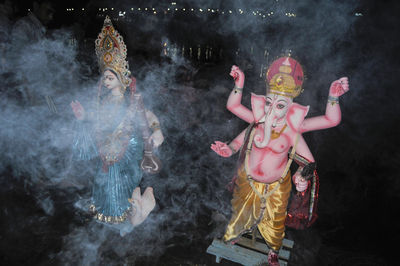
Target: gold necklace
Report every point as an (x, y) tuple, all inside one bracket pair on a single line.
[(275, 135)]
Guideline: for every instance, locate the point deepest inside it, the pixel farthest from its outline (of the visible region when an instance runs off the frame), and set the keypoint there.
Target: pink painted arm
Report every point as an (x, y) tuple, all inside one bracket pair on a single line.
[(235, 98), (225, 150), (331, 118), (333, 114), (237, 143), (303, 150)]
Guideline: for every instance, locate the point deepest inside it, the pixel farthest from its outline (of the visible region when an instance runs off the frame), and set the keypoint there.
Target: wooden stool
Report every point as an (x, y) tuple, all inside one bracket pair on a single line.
[(249, 250)]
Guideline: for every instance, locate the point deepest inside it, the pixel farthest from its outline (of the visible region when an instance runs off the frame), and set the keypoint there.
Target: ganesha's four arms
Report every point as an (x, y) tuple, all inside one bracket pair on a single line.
[(331, 118)]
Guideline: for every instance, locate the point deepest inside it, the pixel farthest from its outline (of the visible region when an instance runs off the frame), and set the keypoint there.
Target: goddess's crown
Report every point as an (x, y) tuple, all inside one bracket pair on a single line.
[(111, 52)]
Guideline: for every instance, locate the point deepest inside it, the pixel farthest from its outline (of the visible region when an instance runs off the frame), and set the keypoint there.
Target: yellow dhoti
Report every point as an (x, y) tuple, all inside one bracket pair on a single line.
[(248, 211)]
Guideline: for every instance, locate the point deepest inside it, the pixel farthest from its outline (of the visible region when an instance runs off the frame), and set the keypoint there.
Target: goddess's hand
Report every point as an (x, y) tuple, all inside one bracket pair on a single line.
[(78, 110)]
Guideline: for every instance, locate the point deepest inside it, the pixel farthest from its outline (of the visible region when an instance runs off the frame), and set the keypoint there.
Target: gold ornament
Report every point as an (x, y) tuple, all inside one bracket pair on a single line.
[(285, 77), (111, 52)]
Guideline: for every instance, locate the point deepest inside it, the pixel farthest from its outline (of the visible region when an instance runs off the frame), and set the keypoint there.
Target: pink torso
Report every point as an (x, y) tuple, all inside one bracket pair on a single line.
[(267, 165)]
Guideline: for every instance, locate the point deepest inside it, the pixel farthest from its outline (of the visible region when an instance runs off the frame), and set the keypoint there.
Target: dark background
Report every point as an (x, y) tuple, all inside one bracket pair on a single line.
[(358, 161)]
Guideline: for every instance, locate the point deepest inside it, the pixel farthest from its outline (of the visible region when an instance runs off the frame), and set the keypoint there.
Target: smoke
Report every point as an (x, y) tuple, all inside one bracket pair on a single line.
[(189, 99)]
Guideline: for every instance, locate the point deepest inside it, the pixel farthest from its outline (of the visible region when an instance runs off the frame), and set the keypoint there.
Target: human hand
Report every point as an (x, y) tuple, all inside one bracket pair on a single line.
[(221, 149), (78, 110), (238, 76), (339, 87)]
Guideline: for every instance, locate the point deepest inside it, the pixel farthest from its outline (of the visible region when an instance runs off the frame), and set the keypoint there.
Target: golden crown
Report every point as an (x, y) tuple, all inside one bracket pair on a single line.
[(285, 77), (111, 52)]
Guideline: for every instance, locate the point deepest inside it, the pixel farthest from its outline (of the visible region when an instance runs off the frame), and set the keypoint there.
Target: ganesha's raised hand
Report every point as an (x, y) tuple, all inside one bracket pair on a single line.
[(339, 87), (78, 110), (221, 149), (238, 76)]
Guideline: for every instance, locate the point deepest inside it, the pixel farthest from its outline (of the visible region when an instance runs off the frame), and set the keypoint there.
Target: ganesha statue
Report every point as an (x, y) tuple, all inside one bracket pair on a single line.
[(267, 148)]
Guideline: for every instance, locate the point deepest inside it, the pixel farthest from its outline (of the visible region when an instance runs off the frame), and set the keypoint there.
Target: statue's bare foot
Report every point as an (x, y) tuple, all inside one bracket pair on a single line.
[(148, 201), (142, 205)]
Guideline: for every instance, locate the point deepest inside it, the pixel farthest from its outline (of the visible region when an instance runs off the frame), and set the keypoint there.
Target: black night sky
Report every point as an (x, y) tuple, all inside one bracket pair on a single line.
[(181, 59)]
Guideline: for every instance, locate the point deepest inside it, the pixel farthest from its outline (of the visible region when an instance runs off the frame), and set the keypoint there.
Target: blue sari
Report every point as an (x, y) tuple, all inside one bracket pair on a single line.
[(114, 183)]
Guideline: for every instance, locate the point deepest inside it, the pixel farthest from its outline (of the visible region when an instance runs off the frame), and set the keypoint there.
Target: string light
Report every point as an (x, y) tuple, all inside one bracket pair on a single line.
[(239, 11)]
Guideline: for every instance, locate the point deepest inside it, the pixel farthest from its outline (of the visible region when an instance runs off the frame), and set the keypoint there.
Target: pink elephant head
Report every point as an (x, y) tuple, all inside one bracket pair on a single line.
[(273, 109), (285, 78)]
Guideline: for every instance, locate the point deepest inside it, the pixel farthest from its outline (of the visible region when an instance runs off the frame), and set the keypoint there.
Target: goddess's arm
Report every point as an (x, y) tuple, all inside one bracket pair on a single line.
[(84, 147), (154, 124)]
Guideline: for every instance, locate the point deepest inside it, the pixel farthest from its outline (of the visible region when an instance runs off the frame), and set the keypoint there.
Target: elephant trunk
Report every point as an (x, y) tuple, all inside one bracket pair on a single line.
[(262, 143)]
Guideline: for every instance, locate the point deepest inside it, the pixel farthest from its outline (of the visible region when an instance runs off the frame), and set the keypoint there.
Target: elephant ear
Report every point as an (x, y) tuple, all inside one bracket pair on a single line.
[(257, 106), (295, 115)]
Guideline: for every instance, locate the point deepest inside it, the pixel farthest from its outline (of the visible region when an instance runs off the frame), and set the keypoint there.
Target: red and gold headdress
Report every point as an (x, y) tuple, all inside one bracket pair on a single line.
[(111, 52), (285, 77)]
